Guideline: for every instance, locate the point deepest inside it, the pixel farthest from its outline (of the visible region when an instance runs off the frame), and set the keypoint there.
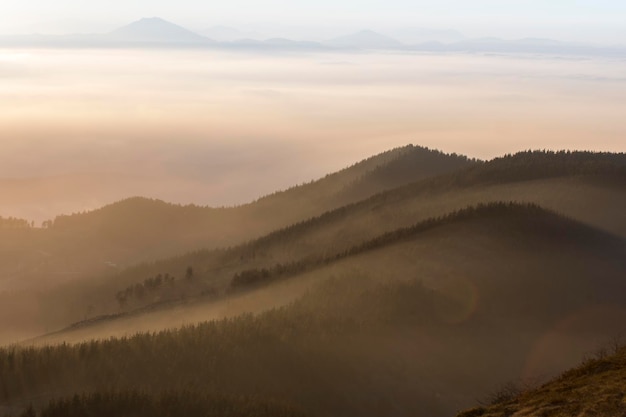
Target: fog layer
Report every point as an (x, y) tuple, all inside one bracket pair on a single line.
[(93, 126)]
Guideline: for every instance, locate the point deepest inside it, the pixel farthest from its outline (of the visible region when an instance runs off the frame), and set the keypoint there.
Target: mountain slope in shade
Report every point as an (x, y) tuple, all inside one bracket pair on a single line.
[(490, 238), (365, 39), (155, 30)]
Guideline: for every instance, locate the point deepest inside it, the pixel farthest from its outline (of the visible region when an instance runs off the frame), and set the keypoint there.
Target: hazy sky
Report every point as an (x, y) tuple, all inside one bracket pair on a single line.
[(83, 128), (592, 20)]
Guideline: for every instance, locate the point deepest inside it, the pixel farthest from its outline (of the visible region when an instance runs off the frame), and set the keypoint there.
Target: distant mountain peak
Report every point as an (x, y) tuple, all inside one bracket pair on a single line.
[(156, 29)]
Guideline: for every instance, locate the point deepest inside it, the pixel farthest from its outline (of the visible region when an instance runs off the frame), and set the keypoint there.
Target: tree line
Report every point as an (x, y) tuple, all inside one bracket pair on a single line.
[(166, 404), (15, 223)]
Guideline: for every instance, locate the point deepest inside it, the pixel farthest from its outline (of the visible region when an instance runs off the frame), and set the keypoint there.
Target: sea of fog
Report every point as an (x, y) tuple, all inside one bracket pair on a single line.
[(82, 128)]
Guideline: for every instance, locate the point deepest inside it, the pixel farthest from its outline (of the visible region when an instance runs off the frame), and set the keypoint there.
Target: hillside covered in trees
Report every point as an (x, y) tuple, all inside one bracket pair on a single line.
[(384, 289)]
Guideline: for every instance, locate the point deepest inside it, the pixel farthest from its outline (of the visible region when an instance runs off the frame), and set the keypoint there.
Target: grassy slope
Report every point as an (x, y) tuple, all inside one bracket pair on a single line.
[(595, 388)]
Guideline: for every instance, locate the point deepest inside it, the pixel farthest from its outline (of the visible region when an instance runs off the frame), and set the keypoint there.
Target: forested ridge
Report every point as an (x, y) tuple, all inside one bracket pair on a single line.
[(250, 355), (392, 302), (166, 404), (551, 224)]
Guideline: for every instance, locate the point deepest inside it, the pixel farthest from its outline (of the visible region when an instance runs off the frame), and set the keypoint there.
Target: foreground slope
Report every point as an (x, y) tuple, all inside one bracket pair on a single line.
[(595, 388)]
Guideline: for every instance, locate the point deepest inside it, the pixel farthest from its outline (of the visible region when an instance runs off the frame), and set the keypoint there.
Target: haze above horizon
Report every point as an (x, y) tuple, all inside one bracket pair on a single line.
[(90, 121), (585, 20)]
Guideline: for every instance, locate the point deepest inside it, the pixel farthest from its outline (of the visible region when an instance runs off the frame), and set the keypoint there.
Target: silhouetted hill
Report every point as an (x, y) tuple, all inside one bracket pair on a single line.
[(385, 171), (524, 166), (416, 163), (140, 229)]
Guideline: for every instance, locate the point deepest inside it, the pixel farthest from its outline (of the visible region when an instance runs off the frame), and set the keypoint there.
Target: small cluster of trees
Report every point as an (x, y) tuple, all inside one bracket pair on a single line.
[(140, 290), (259, 276), (149, 286)]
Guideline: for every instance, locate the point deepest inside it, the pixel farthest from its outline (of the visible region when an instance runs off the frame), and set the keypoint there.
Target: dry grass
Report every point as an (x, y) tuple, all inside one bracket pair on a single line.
[(596, 388)]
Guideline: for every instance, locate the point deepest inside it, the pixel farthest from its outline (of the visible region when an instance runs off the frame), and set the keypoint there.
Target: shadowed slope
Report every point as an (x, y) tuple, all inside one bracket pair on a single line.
[(597, 200), (527, 255)]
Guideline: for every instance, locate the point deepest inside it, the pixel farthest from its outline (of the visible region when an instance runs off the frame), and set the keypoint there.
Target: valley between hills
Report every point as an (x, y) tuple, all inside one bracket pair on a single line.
[(411, 283)]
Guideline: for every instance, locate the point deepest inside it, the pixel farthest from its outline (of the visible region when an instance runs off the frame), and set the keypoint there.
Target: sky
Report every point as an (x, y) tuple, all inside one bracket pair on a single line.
[(223, 128), (597, 21)]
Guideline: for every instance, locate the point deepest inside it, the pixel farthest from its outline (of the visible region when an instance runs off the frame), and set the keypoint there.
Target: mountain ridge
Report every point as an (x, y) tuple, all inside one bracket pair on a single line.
[(527, 225), (155, 30), (140, 34)]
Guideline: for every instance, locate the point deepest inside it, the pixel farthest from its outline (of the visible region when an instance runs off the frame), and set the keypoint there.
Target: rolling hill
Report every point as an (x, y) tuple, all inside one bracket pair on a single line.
[(388, 288), (564, 182), (139, 229), (404, 324)]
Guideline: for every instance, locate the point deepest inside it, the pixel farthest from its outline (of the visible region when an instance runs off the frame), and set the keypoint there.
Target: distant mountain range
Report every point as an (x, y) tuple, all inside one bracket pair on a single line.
[(156, 29), (156, 32)]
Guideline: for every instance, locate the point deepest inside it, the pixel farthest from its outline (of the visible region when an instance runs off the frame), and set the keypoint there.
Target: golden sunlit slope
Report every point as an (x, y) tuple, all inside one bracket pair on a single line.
[(405, 324), (595, 388)]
